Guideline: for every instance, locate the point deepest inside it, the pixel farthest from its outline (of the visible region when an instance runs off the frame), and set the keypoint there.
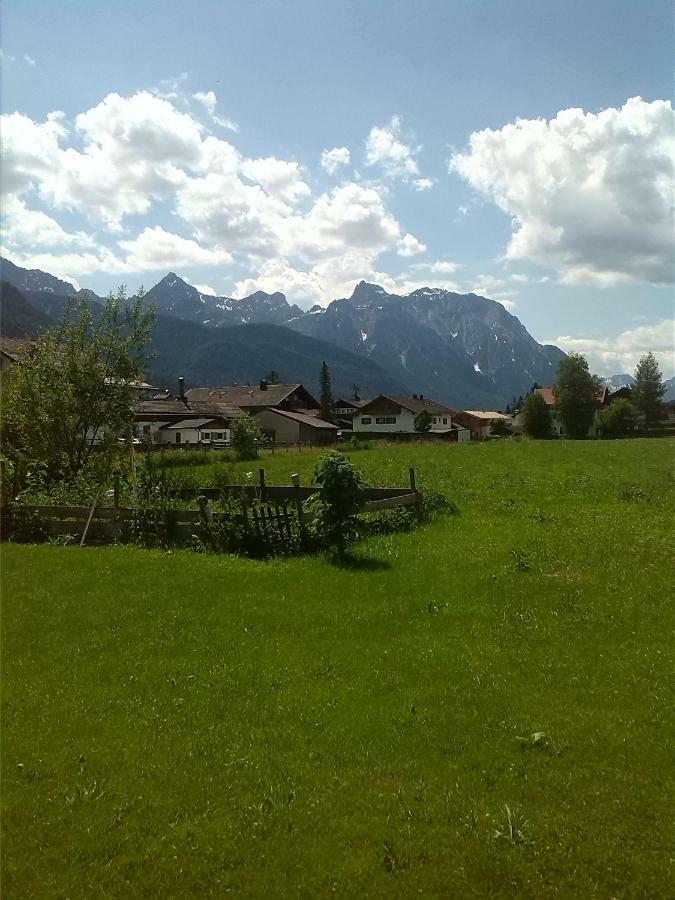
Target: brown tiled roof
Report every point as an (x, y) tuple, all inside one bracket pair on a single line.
[(488, 414), (14, 347), (303, 418), (414, 404), (161, 407), (171, 407), (549, 396), (245, 394)]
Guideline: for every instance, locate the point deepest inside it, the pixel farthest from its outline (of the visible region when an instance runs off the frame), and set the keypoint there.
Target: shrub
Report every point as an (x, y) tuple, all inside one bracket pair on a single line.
[(536, 417), (338, 501), (617, 419), (245, 434)]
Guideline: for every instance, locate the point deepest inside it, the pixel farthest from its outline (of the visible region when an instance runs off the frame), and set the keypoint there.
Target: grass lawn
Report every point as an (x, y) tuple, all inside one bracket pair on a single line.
[(479, 708)]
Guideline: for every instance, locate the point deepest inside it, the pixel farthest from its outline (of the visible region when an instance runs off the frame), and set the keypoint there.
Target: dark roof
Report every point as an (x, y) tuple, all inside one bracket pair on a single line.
[(171, 407), (303, 418), (549, 396), (196, 423), (14, 347), (247, 394), (414, 404)]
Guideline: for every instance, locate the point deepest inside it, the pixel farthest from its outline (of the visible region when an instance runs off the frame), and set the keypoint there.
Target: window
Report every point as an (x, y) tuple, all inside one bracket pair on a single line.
[(385, 420), (445, 421), (365, 420), (206, 435), (146, 429), (435, 420), (218, 435), (178, 437)]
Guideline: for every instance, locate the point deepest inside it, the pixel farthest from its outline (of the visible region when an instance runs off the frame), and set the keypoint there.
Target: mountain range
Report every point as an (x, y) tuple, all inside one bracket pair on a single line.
[(461, 349)]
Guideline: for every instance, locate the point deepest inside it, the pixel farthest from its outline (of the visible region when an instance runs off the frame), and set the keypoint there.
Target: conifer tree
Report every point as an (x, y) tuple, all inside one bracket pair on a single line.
[(648, 390), (326, 398)]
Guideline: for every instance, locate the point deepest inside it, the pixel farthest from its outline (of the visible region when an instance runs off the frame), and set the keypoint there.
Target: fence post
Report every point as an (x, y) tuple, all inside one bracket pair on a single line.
[(295, 479), (413, 478), (117, 474), (261, 475), (207, 519)]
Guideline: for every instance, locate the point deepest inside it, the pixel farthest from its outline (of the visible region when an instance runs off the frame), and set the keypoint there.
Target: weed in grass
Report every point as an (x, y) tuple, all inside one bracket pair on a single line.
[(521, 560), (513, 827)]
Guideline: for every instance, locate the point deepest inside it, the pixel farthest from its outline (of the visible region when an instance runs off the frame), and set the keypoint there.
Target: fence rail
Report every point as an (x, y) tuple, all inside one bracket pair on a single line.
[(267, 510)]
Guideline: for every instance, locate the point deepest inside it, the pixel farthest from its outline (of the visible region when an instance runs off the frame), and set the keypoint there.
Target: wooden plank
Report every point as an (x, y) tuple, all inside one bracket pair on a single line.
[(390, 502), (81, 512), (75, 527)]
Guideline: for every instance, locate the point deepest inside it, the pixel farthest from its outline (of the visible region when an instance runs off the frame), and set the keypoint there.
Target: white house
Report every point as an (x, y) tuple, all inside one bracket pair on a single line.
[(194, 431), (396, 415), (557, 427)]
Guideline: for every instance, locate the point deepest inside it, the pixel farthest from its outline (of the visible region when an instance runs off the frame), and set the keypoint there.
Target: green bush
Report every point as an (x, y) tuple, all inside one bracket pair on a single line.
[(245, 434), (338, 501)]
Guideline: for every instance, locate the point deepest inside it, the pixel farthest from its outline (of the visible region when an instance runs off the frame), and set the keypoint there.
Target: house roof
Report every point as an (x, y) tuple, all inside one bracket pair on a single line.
[(356, 404), (414, 404), (247, 394), (312, 421), (488, 414), (13, 347), (171, 407), (549, 396), (195, 423)]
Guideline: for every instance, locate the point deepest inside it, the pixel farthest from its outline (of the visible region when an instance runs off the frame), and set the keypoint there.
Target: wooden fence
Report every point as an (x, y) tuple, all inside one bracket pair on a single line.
[(270, 512)]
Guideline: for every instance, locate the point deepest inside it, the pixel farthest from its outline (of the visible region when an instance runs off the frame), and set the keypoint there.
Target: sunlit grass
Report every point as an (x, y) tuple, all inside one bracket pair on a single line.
[(479, 708)]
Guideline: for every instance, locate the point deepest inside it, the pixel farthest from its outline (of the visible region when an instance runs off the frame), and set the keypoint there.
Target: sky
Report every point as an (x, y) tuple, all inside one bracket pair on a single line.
[(521, 150)]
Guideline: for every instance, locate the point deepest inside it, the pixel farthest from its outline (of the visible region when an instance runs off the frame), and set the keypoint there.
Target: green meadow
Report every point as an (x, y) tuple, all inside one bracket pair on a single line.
[(481, 707)]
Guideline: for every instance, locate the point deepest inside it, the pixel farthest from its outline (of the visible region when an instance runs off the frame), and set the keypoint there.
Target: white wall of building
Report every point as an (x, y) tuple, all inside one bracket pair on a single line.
[(403, 421)]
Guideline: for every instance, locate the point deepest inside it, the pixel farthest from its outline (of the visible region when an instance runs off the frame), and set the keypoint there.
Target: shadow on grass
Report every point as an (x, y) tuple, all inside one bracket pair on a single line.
[(353, 562)]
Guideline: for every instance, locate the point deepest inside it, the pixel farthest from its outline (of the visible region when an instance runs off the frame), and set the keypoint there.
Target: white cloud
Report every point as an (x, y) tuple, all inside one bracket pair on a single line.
[(278, 178), (23, 227), (156, 248), (424, 184), (207, 99), (205, 289), (385, 148), (611, 356), (68, 265), (331, 160), (29, 59), (438, 267), (590, 194), (408, 245)]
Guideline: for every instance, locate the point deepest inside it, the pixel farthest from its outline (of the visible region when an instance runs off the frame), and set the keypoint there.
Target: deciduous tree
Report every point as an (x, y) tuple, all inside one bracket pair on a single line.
[(576, 394), (536, 417), (72, 394), (423, 421)]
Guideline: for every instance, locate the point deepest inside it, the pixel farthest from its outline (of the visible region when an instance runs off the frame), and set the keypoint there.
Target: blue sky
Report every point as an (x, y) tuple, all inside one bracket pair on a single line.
[(190, 137)]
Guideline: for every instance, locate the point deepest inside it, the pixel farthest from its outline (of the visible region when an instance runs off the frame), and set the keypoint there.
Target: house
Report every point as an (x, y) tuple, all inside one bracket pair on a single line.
[(11, 350), (151, 416), (195, 431), (288, 426), (478, 421), (393, 414), (253, 399), (558, 429), (343, 411)]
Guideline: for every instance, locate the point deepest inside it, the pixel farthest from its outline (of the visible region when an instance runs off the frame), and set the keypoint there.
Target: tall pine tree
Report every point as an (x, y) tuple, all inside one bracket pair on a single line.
[(648, 390), (326, 398)]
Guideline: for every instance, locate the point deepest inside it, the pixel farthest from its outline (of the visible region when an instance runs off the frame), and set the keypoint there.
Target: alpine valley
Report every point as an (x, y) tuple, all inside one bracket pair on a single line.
[(461, 349)]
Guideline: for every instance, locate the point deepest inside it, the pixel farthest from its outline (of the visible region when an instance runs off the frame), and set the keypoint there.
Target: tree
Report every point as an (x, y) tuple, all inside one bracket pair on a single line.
[(355, 392), (500, 427), (423, 421), (272, 377), (245, 433), (72, 393), (338, 500), (648, 390), (576, 395), (326, 398), (536, 417), (617, 419)]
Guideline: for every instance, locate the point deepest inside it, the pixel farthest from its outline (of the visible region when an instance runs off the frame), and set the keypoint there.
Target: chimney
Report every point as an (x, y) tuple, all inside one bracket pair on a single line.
[(263, 384), (414, 396), (421, 396), (181, 389)]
